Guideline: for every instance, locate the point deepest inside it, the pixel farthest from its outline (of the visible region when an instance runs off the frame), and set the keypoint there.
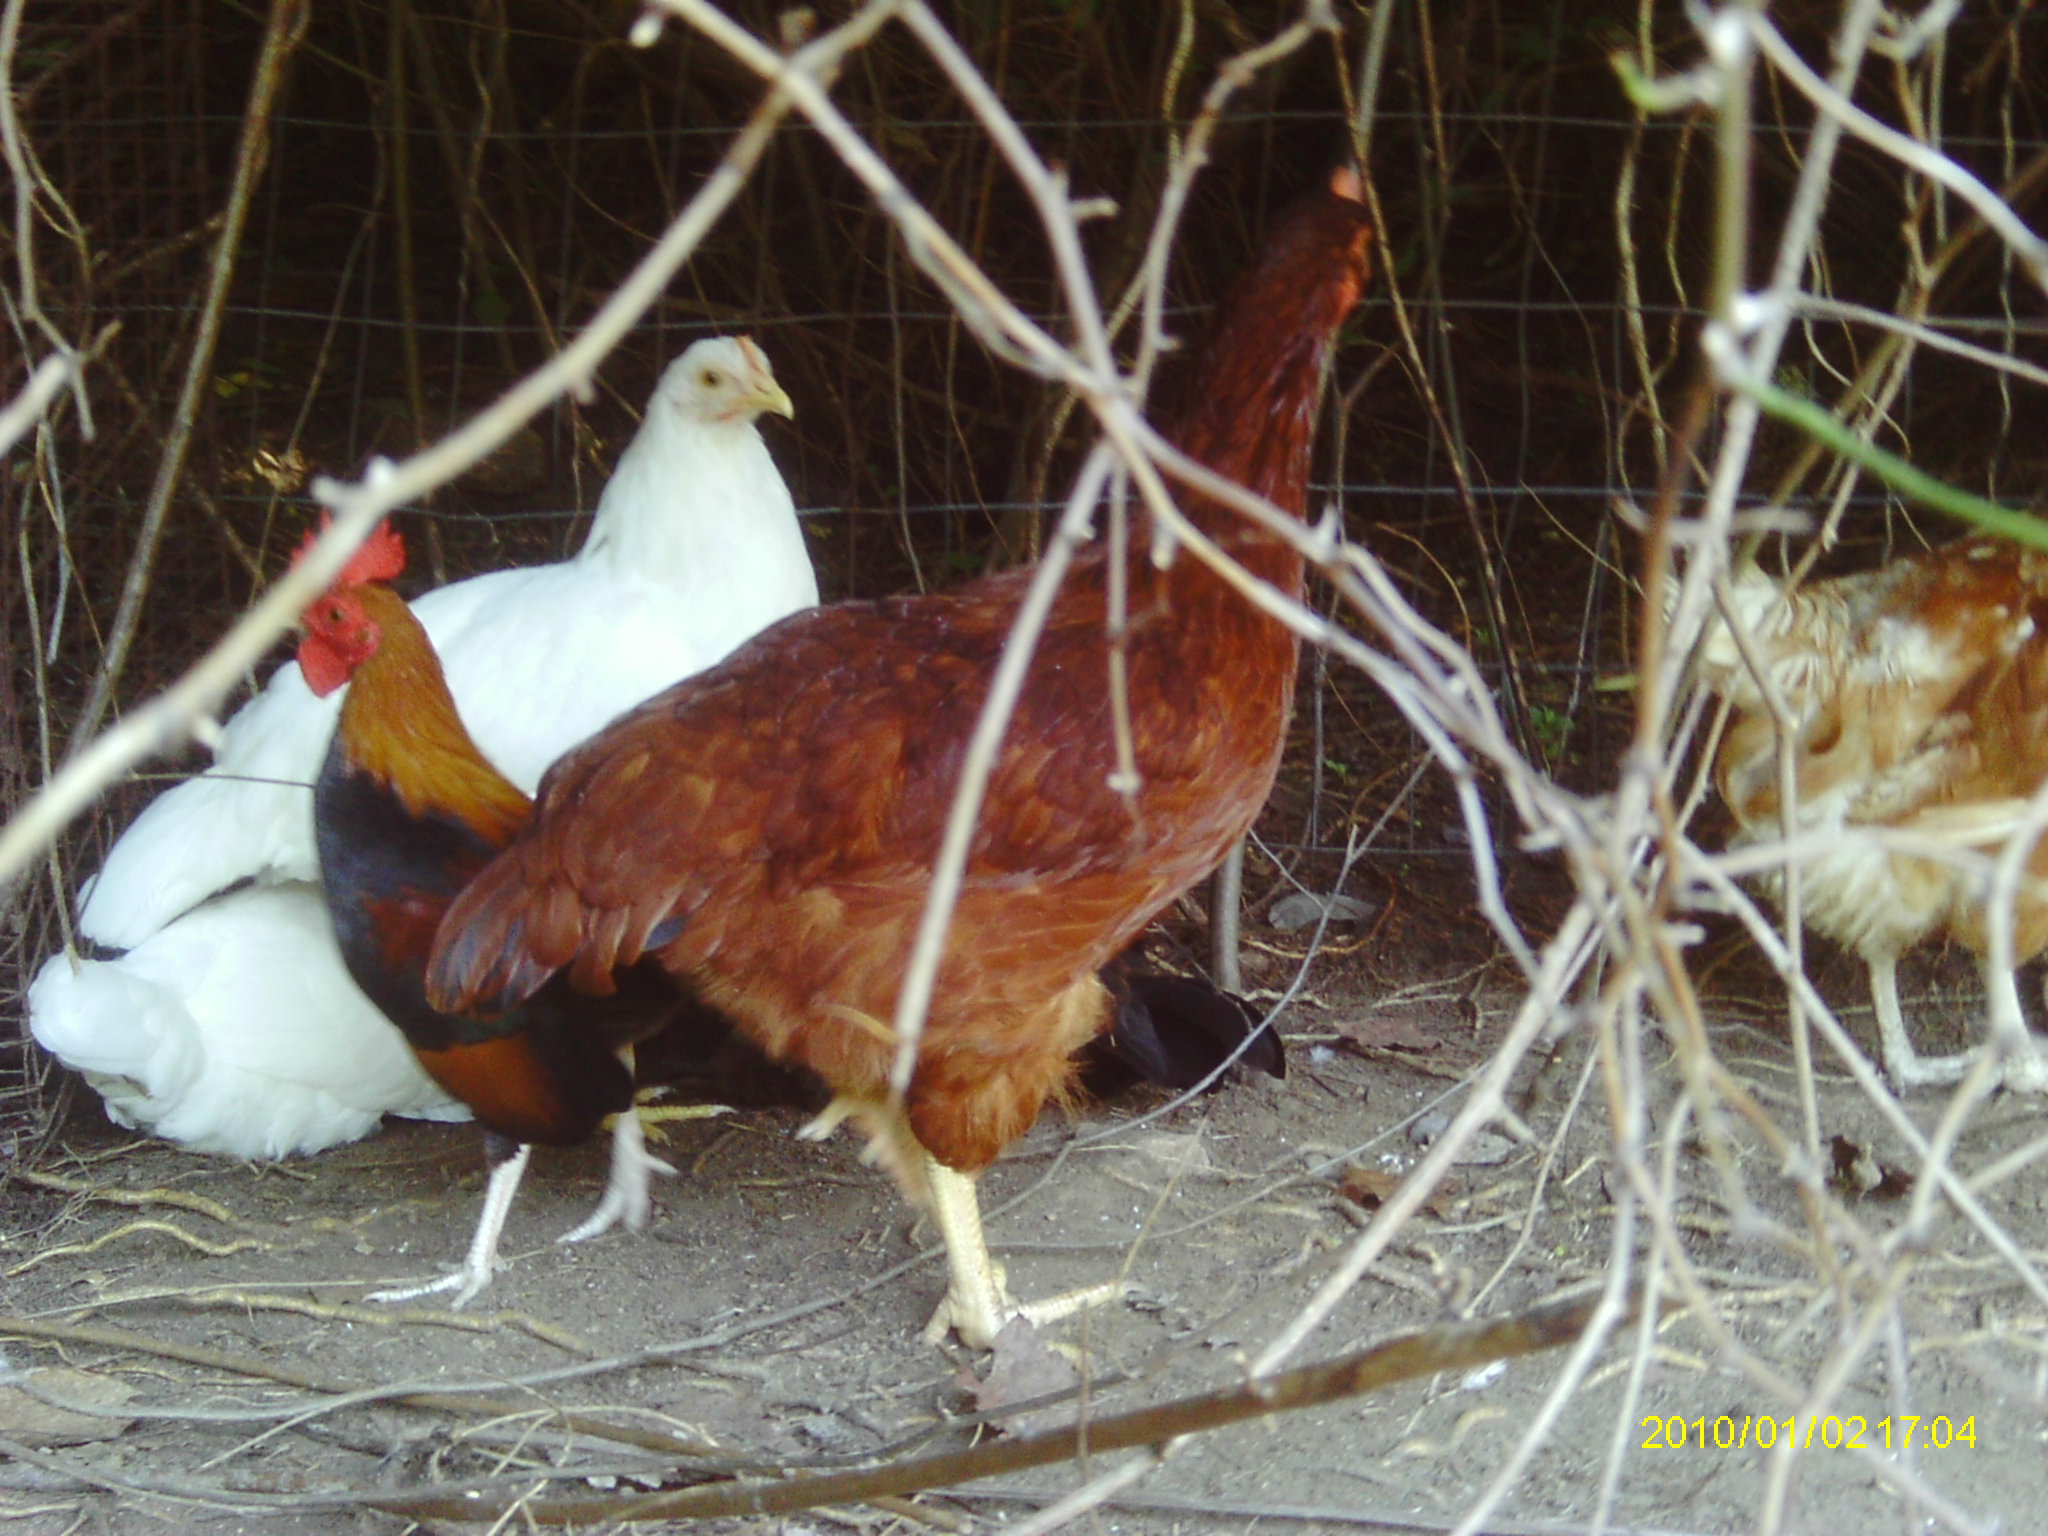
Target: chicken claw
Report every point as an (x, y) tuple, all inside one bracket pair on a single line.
[(2024, 1071), (977, 1302), (481, 1262), (627, 1193), (653, 1116)]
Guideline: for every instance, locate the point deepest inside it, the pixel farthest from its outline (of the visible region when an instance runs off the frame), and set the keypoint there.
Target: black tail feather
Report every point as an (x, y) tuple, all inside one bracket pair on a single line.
[(1173, 1032)]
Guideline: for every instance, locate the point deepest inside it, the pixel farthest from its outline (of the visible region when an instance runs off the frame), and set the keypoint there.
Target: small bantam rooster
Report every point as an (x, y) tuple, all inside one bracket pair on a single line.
[(694, 547), (1918, 704), (766, 830), (407, 809)]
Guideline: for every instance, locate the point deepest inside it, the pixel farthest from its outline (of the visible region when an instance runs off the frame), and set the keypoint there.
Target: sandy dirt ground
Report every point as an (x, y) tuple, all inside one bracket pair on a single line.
[(756, 1323)]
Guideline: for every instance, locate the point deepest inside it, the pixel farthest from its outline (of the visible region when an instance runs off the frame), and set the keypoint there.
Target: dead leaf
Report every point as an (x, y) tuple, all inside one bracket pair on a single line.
[(1370, 1188), (1857, 1167), (1388, 1032), (1025, 1367), (1423, 1042), (1367, 1187)]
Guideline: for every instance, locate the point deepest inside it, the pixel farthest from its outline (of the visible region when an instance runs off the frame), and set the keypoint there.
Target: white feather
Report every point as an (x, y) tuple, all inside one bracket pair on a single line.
[(694, 548), (236, 1029)]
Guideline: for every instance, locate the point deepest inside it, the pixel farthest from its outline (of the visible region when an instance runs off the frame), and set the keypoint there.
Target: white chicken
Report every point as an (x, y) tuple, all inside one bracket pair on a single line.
[(235, 1029), (1918, 702), (695, 547)]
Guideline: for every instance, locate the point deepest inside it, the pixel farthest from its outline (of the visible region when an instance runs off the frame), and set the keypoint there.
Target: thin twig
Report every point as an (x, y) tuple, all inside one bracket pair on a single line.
[(283, 30), (1455, 1346)]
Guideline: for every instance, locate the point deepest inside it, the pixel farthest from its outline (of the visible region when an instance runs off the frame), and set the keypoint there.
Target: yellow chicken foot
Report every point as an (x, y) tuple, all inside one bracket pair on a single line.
[(653, 1116), (977, 1302)]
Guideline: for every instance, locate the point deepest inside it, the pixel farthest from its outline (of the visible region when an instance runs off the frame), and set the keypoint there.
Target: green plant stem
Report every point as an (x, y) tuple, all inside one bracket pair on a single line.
[(1909, 481)]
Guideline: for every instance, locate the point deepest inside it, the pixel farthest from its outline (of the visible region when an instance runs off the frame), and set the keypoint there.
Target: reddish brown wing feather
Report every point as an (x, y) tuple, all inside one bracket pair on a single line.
[(785, 808)]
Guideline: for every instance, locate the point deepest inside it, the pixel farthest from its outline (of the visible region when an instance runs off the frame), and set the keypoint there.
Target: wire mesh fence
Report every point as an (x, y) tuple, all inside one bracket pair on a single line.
[(441, 196)]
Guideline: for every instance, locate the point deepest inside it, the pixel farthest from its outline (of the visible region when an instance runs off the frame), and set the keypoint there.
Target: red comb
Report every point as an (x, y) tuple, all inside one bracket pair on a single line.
[(381, 557)]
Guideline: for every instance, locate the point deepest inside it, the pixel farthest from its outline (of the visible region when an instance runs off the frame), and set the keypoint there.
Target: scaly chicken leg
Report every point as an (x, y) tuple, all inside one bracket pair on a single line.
[(977, 1303), (626, 1199), (2026, 1072), (1904, 1066), (627, 1189), (474, 1273), (2026, 1069)]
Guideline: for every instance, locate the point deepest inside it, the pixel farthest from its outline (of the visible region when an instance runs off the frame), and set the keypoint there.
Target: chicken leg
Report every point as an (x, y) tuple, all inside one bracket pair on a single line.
[(627, 1189), (626, 1199), (2026, 1072), (977, 1302), (627, 1196), (482, 1259), (2026, 1068)]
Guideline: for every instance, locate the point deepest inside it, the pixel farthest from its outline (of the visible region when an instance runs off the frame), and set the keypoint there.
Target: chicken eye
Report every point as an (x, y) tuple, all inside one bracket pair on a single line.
[(711, 378)]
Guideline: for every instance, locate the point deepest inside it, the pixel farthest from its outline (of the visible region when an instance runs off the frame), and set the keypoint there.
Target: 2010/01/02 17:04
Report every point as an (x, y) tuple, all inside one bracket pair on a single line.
[(1834, 1432)]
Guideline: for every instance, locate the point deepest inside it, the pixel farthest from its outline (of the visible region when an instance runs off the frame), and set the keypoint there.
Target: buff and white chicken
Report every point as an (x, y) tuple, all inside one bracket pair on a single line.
[(1916, 698)]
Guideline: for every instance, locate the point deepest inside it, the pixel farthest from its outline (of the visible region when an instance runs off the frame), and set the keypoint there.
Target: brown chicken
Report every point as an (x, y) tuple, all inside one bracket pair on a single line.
[(407, 809), (767, 829), (1918, 703)]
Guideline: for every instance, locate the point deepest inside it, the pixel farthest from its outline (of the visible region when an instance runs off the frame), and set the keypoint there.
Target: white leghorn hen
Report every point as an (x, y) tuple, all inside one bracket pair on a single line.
[(1918, 703), (227, 1004), (694, 548), (236, 1029)]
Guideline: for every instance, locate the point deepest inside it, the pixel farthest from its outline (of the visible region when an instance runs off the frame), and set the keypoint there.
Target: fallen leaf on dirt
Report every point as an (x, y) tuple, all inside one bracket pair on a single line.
[(29, 1409), (1370, 1188), (1388, 1032), (1423, 1042), (1857, 1167), (1024, 1367), (1301, 910)]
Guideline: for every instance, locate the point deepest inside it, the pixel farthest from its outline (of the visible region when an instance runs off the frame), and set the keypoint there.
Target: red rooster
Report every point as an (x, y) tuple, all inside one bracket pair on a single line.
[(405, 810), (1918, 703), (766, 830)]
